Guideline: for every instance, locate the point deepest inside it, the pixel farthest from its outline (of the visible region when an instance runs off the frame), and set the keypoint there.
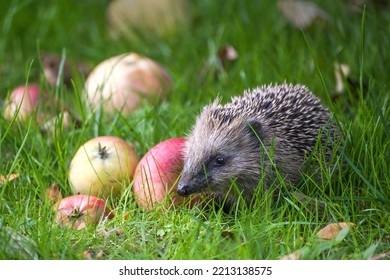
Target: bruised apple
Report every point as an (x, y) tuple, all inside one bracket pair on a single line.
[(22, 102), (157, 174), (101, 166), (120, 83), (78, 211)]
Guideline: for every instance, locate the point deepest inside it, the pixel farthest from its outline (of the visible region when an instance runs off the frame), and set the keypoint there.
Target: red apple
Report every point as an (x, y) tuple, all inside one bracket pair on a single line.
[(157, 173), (78, 211), (118, 84), (101, 166), (22, 102)]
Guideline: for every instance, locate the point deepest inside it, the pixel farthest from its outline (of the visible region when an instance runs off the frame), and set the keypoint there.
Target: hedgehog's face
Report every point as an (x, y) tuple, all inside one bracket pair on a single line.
[(217, 153)]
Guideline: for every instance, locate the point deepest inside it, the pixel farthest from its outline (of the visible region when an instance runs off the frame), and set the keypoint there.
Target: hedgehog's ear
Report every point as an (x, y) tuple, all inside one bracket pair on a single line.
[(256, 128)]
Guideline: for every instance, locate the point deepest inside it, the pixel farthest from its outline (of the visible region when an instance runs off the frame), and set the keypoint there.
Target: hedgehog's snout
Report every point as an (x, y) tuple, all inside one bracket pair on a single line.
[(191, 182), (183, 189)]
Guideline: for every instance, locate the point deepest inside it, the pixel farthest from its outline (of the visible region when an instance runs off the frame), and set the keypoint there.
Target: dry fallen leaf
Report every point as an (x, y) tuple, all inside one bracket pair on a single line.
[(92, 254), (342, 72), (301, 14), (383, 256), (227, 53), (332, 230), (51, 68), (218, 64), (10, 177), (346, 82), (293, 256), (53, 193)]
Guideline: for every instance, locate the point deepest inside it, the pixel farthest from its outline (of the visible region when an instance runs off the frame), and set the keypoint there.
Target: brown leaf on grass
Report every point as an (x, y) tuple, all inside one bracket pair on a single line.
[(342, 72), (92, 254), (301, 14), (51, 69), (383, 256), (53, 193), (218, 64), (227, 53), (345, 82), (293, 256), (332, 230), (10, 177)]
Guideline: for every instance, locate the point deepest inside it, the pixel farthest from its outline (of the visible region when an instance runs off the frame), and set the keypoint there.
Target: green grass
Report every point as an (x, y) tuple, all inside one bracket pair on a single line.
[(270, 51)]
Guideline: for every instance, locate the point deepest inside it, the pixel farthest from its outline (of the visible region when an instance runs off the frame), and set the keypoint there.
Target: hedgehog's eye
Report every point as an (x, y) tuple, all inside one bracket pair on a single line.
[(219, 161)]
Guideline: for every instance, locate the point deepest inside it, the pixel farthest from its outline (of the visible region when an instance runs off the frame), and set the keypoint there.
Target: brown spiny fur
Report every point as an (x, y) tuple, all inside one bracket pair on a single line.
[(267, 127)]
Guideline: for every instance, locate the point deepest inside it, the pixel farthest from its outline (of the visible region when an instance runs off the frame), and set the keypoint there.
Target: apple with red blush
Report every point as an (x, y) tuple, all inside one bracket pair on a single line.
[(79, 211), (22, 102), (102, 166), (120, 83), (157, 174)]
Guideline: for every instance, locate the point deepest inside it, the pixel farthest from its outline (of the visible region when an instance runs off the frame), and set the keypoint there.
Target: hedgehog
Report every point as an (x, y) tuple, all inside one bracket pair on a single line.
[(265, 133)]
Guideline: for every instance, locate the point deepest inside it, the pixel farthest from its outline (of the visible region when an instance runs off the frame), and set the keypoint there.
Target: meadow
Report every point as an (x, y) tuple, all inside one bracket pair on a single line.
[(270, 50)]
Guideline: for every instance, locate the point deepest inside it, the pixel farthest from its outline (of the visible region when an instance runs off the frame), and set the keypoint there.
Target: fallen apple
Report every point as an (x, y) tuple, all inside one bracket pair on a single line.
[(22, 102), (79, 211), (134, 19), (119, 84), (101, 166), (157, 173)]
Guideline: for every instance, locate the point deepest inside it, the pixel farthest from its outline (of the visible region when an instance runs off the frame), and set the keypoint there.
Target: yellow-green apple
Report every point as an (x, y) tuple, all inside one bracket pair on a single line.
[(119, 83), (79, 211), (157, 174), (23, 102), (102, 166), (142, 18)]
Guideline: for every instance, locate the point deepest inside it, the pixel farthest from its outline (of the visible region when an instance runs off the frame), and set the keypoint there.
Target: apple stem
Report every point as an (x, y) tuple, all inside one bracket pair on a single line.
[(75, 214), (103, 152)]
